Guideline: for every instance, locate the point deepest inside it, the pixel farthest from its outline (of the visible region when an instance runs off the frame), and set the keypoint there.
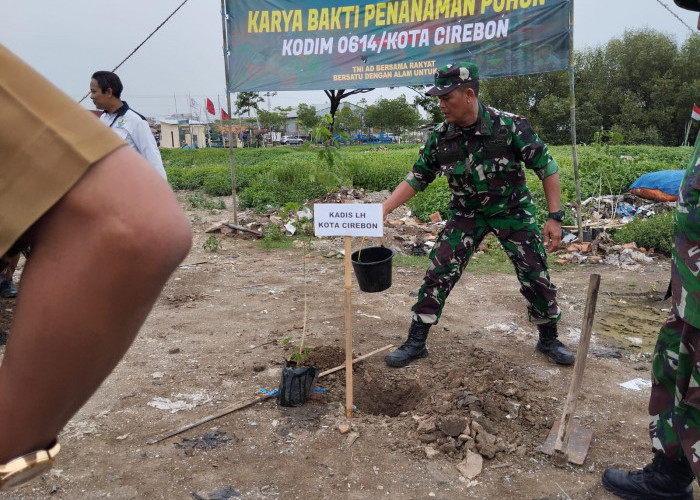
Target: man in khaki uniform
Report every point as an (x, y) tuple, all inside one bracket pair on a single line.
[(105, 232)]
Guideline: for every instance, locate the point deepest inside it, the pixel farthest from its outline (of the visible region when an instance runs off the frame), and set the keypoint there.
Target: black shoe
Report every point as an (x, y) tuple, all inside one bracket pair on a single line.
[(8, 290), (662, 479), (550, 345), (413, 348), (557, 351)]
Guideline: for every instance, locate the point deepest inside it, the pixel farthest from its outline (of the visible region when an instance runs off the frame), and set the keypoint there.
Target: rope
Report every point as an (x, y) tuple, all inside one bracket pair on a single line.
[(677, 17), (145, 40)]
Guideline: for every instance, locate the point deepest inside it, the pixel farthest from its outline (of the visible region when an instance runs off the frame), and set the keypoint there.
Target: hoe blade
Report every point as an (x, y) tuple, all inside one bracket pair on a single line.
[(577, 447)]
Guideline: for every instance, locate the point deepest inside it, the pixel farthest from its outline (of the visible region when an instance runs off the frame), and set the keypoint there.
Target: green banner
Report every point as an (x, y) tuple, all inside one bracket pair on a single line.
[(315, 44)]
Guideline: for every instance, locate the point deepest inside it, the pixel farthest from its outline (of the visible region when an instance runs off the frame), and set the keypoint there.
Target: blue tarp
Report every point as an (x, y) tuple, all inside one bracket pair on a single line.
[(667, 181)]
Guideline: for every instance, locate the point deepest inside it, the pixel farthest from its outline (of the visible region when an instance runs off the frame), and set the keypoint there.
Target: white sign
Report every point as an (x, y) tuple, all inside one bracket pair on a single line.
[(348, 219)]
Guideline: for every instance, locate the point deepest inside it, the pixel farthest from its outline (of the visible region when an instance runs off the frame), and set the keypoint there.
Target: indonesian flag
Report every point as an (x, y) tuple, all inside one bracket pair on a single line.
[(210, 107), (224, 114), (695, 115)]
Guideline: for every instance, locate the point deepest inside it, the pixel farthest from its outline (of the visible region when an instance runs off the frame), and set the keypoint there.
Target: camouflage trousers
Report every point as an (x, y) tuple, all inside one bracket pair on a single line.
[(674, 404), (521, 239)]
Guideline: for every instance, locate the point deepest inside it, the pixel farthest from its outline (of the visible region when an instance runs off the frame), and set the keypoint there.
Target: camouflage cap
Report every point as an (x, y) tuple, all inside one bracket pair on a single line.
[(448, 78), (688, 4)]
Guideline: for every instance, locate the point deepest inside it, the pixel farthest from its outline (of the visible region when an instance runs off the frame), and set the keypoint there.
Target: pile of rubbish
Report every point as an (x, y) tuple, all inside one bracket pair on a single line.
[(617, 210), (406, 234)]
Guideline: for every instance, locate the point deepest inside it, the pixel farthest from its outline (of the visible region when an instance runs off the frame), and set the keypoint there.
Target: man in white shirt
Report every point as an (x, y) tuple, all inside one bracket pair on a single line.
[(105, 92)]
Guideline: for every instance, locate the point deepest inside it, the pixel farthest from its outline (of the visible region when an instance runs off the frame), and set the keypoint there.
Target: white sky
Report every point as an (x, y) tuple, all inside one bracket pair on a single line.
[(67, 41)]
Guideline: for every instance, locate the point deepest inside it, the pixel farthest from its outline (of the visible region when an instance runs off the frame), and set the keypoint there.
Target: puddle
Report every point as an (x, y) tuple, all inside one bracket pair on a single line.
[(631, 320)]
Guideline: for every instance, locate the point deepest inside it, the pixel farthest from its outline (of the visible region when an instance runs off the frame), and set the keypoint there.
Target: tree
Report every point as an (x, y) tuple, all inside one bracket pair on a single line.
[(335, 96), (348, 120), (307, 117), (392, 115), (639, 84), (430, 104), (247, 102), (274, 120)]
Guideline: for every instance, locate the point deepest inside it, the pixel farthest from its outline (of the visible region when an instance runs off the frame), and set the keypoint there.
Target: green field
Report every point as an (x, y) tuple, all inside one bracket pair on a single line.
[(272, 177)]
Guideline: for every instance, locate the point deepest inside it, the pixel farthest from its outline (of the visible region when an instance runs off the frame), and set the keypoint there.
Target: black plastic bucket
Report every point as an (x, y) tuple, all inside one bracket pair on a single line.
[(373, 269)]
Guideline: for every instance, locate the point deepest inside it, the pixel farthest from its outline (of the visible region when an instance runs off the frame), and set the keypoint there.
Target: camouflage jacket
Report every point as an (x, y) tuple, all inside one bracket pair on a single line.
[(685, 277), (483, 162)]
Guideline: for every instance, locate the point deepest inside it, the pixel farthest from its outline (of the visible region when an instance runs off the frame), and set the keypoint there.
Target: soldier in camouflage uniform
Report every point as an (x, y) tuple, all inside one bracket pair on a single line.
[(481, 150), (674, 404)]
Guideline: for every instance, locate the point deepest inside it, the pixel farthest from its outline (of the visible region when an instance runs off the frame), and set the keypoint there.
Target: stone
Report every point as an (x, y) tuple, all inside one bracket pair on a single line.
[(453, 427), (435, 217), (448, 447), (471, 466), (427, 438), (427, 425)]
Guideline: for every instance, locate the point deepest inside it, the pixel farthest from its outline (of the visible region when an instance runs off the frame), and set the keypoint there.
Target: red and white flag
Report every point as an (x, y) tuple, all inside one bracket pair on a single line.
[(224, 114), (210, 107), (695, 115)]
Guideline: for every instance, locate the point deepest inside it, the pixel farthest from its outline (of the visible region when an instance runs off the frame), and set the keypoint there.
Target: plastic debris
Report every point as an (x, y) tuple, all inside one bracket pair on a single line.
[(636, 384)]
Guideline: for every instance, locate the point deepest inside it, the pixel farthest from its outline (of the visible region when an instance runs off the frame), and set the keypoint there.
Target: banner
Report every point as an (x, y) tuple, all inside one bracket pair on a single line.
[(340, 44)]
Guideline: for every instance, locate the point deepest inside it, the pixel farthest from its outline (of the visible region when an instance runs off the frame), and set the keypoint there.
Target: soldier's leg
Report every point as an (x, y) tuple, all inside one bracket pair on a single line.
[(522, 243), (663, 429), (452, 251), (688, 396), (524, 248), (669, 475)]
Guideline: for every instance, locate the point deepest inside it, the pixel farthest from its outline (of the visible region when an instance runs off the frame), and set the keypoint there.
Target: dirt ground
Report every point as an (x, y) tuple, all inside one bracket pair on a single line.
[(216, 337)]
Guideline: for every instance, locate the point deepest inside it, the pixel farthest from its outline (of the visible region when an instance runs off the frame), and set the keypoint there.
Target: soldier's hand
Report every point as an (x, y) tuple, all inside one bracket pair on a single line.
[(552, 235)]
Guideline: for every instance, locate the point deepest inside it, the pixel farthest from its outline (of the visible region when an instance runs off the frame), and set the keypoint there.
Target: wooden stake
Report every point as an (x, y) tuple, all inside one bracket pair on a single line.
[(241, 228), (562, 440), (262, 397), (348, 327)]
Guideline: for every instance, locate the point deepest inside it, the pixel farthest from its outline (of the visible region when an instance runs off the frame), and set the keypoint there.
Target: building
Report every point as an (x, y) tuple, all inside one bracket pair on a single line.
[(176, 133)]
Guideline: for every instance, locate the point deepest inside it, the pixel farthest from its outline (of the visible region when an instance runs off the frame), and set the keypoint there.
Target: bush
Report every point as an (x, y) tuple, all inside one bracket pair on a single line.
[(655, 232), (435, 198), (218, 183), (271, 177), (266, 193)]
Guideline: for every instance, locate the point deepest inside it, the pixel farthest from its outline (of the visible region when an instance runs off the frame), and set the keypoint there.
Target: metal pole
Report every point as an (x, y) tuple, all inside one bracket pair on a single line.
[(572, 108), (224, 19)]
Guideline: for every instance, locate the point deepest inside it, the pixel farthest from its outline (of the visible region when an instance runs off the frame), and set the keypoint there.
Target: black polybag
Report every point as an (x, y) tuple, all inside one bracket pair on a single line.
[(297, 384)]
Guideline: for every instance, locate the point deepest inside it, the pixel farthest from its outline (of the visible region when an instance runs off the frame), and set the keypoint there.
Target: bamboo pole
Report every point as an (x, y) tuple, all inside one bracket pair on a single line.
[(572, 109), (348, 328)]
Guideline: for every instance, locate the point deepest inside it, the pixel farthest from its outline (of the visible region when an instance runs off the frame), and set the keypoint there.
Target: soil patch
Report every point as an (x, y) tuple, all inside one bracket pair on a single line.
[(216, 337)]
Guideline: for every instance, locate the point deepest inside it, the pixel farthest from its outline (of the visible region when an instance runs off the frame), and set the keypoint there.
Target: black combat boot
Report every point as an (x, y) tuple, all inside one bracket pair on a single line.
[(662, 479), (550, 345), (413, 348)]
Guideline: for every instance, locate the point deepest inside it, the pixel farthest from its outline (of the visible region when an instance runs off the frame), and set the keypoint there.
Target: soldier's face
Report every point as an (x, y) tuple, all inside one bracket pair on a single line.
[(456, 106)]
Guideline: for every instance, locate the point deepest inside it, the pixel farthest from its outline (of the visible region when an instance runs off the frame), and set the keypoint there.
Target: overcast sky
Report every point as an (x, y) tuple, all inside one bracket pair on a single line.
[(68, 41)]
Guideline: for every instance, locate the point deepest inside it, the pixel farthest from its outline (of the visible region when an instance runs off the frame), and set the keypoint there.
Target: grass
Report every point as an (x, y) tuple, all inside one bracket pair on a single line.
[(270, 178), (198, 200)]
